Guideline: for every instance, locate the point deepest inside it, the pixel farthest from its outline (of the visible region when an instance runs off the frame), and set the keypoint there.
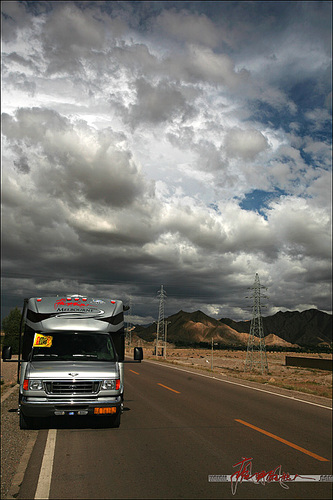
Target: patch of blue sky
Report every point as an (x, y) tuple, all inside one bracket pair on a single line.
[(215, 207), (309, 94), (268, 115), (258, 200), (315, 162), (291, 122), (38, 8)]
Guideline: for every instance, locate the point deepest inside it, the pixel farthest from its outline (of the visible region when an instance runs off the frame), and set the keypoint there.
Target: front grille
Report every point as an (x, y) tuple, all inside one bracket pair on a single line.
[(69, 387)]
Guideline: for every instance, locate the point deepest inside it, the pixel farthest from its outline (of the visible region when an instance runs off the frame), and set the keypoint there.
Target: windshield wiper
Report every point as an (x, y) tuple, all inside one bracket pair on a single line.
[(45, 355), (85, 355)]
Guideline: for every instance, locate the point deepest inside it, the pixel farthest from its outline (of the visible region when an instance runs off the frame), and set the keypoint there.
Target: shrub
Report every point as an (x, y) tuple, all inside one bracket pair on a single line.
[(11, 328)]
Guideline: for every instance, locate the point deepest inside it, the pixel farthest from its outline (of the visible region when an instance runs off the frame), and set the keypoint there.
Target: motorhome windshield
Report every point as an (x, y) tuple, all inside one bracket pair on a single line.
[(72, 346)]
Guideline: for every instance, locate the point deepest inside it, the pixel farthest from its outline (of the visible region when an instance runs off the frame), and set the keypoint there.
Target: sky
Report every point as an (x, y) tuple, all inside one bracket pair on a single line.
[(183, 144)]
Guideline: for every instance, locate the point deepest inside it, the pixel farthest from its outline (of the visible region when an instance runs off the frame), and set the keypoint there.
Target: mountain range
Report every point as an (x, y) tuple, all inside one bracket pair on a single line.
[(284, 329)]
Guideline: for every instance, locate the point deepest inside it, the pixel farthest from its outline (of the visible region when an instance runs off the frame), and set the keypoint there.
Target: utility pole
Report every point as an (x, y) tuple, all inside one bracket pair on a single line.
[(160, 322), (212, 355), (129, 327), (166, 323), (256, 349), (212, 358)]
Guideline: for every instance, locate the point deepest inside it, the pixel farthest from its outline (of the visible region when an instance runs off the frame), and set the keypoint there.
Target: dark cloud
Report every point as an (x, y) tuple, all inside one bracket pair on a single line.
[(75, 165), (22, 165), (155, 104)]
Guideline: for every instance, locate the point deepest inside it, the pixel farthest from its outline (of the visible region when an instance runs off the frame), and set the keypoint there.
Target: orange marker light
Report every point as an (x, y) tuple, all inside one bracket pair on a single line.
[(104, 411)]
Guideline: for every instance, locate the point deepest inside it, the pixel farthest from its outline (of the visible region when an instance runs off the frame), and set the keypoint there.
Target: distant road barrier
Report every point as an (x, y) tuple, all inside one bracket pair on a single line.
[(316, 363)]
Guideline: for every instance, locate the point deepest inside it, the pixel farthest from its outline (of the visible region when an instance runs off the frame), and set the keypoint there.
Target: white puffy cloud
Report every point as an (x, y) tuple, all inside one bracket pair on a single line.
[(246, 144), (302, 228)]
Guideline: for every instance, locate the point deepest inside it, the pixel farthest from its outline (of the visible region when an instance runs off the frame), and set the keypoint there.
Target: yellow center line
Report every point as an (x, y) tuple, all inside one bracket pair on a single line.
[(136, 373), (166, 387), (303, 450)]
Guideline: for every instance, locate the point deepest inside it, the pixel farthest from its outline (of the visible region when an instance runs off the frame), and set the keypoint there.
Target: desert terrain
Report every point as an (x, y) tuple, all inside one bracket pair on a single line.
[(231, 364)]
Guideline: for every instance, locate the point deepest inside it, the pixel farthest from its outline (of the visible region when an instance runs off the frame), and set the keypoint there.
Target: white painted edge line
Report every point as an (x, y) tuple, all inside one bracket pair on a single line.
[(237, 383), (45, 475)]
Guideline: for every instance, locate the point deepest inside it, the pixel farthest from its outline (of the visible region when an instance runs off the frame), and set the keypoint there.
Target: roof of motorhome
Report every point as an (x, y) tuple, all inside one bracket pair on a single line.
[(75, 304)]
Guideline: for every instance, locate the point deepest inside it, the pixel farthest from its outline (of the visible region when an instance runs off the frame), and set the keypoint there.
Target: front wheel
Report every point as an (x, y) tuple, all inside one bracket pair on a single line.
[(115, 420), (26, 422)]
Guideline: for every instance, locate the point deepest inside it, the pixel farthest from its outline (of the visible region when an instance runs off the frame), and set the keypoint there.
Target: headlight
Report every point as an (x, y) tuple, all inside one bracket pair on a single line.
[(35, 385), (110, 384)]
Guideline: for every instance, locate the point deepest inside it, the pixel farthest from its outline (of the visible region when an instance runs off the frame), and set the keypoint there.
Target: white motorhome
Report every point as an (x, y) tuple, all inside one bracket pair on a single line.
[(71, 358)]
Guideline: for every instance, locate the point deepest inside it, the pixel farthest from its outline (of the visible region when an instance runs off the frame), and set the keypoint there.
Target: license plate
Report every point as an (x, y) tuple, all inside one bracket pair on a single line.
[(105, 411)]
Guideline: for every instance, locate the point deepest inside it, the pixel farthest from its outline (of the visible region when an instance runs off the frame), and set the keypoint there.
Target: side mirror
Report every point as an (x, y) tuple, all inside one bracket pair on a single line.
[(7, 352), (126, 308), (138, 353)]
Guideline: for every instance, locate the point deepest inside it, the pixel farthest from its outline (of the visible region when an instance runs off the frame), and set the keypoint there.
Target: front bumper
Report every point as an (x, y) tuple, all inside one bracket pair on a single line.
[(45, 407)]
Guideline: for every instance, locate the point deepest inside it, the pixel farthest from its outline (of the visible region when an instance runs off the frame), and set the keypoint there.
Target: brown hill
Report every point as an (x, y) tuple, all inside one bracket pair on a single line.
[(310, 327), (198, 327), (274, 340), (205, 332)]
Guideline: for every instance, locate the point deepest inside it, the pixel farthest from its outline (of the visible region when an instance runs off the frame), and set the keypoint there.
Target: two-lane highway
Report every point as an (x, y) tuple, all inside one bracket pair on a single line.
[(177, 429)]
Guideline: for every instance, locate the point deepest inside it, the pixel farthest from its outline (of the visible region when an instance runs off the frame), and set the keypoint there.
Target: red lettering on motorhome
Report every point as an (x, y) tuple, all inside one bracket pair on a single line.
[(64, 302)]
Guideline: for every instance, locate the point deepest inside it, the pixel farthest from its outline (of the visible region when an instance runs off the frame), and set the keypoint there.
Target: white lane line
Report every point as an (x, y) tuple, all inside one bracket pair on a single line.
[(238, 383), (45, 475)]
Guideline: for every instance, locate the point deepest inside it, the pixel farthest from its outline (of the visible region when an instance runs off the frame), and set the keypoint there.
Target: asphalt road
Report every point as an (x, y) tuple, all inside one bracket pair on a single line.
[(177, 429)]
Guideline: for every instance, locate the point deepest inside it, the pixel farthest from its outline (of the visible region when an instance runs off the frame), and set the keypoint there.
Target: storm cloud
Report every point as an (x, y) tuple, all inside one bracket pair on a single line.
[(183, 144)]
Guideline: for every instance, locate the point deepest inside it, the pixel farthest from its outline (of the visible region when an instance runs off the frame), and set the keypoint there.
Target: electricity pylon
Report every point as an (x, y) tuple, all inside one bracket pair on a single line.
[(160, 322), (256, 350), (129, 327)]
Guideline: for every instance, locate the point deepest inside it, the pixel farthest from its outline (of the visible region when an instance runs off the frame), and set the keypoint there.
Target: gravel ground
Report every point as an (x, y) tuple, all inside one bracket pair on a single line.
[(13, 440)]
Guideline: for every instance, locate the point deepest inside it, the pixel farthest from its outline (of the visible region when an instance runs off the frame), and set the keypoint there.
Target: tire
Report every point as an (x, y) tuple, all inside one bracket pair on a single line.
[(115, 420), (26, 422)]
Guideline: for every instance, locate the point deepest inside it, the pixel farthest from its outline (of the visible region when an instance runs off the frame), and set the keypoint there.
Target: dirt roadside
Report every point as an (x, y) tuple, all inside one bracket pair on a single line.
[(8, 372), (13, 441), (232, 363)]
